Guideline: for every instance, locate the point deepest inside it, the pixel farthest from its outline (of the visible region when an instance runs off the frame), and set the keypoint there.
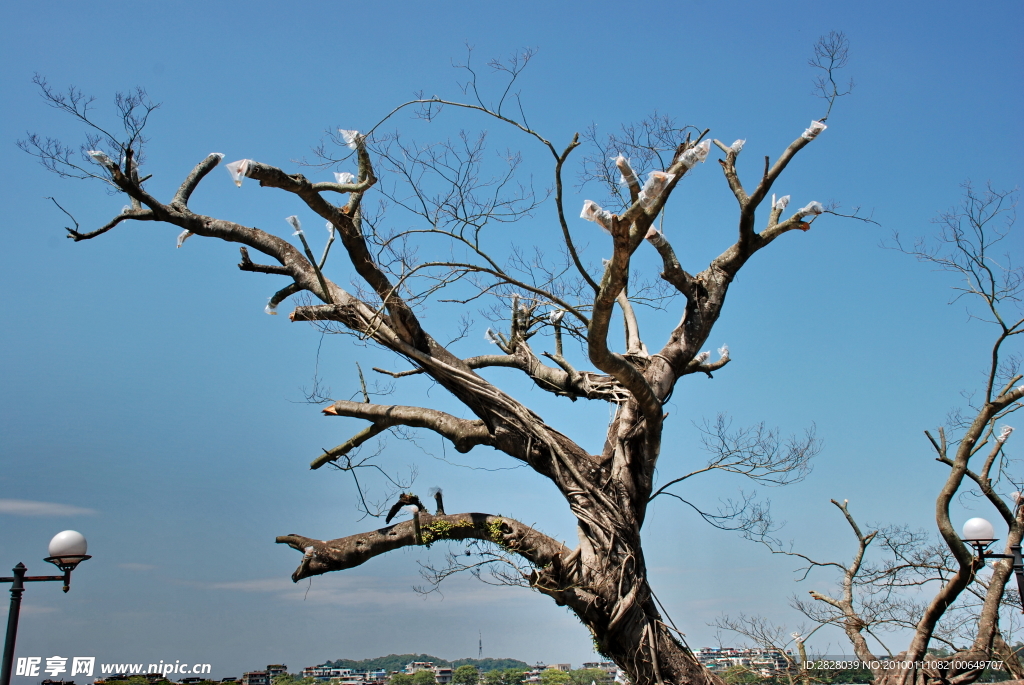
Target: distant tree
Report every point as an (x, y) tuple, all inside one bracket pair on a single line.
[(554, 676), (465, 675), (444, 250), (934, 590), (490, 663), (402, 679), (737, 675), (424, 677), (586, 676), (509, 676)]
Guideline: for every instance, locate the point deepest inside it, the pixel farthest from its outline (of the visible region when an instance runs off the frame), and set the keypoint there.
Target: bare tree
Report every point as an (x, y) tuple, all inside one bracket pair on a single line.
[(603, 580), (934, 588)]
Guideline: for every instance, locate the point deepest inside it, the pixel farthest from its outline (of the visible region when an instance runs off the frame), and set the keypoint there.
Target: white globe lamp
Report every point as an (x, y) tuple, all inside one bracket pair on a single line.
[(978, 530)]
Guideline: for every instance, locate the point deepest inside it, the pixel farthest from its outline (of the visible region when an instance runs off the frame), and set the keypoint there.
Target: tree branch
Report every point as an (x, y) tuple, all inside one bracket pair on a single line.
[(462, 433), (343, 553)]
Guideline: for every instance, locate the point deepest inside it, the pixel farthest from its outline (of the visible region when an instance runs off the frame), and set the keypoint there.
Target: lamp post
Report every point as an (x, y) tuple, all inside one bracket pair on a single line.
[(67, 550), (980, 534)]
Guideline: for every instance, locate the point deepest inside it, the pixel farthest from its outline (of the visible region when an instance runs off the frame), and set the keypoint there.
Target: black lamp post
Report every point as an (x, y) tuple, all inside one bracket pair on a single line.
[(67, 550), (980, 534)]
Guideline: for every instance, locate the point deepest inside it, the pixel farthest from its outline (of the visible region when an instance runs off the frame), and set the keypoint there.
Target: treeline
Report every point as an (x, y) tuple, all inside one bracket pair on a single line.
[(397, 662)]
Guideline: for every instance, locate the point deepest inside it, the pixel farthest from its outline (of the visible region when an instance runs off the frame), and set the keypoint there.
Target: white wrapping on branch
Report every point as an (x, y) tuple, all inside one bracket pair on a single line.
[(555, 316), (654, 187), (294, 221), (271, 307), (101, 158), (593, 212), (411, 509), (737, 145), (183, 236), (652, 234), (1016, 496), (218, 155), (344, 177), (622, 164), (1004, 434), (330, 228), (309, 553), (812, 208), (490, 337), (702, 357), (781, 203), (239, 170), (696, 154), (723, 352), (350, 138), (813, 130)]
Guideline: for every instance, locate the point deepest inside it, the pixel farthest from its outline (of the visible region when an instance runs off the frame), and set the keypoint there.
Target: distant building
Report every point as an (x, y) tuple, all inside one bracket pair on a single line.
[(766, 662), (274, 670), (561, 667), (256, 678), (442, 675), (415, 666)]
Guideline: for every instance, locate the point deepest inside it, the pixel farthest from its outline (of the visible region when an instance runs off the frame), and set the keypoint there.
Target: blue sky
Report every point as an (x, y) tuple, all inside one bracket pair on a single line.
[(146, 391)]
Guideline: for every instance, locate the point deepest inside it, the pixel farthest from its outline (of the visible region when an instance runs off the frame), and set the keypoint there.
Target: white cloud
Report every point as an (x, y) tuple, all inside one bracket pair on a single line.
[(24, 507)]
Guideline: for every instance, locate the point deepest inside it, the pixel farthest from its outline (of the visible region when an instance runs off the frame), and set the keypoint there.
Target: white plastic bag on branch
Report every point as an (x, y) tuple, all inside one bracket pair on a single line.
[(737, 145), (781, 203), (218, 155), (490, 337), (294, 221), (350, 138), (654, 187), (652, 234), (622, 164), (812, 208), (330, 228), (100, 158), (1004, 434), (593, 212), (344, 177), (813, 130), (696, 154), (702, 357), (271, 307), (723, 352), (556, 316), (183, 236), (238, 170)]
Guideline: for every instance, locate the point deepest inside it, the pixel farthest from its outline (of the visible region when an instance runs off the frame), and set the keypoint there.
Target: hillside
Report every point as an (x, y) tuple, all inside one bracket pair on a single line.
[(396, 662)]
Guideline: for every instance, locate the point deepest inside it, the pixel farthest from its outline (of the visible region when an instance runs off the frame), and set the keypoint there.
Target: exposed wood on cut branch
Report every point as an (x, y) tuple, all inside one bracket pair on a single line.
[(322, 556)]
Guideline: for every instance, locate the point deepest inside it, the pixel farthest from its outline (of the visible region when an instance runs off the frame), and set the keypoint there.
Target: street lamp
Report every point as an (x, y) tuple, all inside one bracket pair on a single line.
[(67, 550), (980, 534)]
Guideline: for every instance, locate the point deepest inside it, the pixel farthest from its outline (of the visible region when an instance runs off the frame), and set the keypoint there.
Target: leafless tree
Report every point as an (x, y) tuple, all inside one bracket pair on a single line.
[(454, 202), (935, 588)]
